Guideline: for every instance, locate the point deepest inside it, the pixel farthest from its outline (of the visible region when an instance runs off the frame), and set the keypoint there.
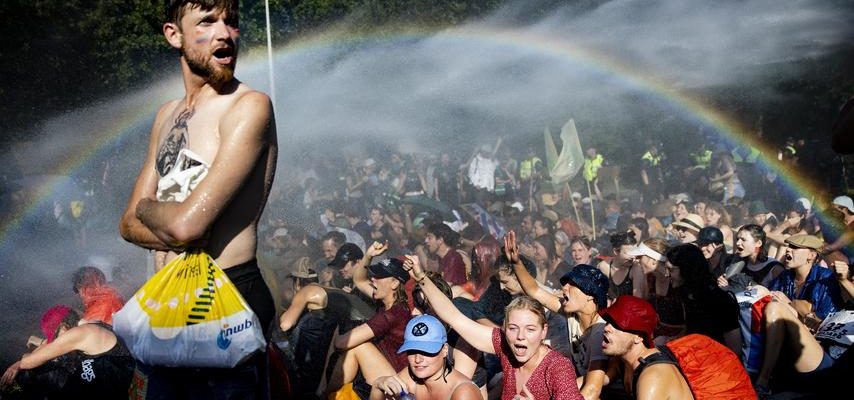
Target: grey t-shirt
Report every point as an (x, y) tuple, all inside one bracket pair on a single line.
[(585, 347)]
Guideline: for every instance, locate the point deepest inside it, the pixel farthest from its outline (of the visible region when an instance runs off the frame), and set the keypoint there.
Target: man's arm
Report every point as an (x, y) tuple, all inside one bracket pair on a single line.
[(244, 135), (130, 227)]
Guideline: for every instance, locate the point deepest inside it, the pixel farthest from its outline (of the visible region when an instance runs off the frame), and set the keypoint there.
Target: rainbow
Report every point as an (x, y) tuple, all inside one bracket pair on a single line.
[(726, 126)]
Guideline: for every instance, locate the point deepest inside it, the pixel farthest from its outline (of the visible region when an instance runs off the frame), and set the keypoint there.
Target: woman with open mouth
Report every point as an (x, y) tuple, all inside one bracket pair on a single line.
[(531, 369)]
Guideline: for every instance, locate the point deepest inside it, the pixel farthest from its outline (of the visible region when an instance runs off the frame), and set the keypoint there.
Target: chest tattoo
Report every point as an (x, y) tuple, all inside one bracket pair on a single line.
[(178, 138)]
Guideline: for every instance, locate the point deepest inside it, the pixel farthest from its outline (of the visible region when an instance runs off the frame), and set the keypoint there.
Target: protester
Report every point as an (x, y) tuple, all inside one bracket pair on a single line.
[(76, 360), (100, 300), (688, 228), (751, 259), (623, 276), (535, 371), (234, 149)]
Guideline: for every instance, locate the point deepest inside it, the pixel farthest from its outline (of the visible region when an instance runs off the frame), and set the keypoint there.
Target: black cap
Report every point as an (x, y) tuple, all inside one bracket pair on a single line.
[(346, 253), (390, 267), (710, 234)]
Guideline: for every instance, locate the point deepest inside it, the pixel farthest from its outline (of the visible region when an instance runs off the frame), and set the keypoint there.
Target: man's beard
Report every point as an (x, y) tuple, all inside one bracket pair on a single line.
[(214, 76)]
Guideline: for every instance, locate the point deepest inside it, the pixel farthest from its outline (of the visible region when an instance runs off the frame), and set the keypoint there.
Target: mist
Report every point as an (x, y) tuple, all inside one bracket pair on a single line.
[(452, 89)]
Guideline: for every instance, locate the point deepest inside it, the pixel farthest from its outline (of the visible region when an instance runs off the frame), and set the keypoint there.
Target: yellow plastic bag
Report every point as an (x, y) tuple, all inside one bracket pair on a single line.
[(189, 315)]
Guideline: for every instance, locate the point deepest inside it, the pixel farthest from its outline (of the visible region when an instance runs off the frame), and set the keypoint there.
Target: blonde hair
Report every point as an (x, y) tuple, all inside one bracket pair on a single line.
[(657, 244), (526, 303)]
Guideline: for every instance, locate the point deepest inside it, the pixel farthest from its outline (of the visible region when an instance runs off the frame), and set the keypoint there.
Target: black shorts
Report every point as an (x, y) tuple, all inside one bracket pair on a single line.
[(249, 282)]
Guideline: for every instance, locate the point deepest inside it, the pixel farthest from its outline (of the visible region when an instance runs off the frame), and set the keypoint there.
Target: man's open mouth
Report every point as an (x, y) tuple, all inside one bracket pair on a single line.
[(223, 55)]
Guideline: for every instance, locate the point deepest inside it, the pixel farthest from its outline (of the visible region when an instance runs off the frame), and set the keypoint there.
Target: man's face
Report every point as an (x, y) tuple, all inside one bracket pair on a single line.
[(539, 228), (432, 243), (376, 216), (383, 287), (209, 43), (615, 342), (759, 219), (509, 283), (329, 249), (526, 225), (347, 269)]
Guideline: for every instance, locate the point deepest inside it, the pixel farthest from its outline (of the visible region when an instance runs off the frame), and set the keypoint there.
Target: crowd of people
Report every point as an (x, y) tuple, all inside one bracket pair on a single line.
[(426, 276)]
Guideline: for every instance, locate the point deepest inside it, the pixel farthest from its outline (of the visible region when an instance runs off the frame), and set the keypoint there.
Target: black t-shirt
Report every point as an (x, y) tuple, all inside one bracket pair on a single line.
[(711, 314)]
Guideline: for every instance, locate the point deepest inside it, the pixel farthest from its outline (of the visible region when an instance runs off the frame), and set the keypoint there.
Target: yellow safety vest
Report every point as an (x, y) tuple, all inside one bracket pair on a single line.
[(751, 158), (653, 159), (702, 160), (526, 168), (591, 167)]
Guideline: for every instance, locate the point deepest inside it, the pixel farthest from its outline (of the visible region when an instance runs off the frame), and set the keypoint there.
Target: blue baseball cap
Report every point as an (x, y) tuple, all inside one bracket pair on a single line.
[(424, 333)]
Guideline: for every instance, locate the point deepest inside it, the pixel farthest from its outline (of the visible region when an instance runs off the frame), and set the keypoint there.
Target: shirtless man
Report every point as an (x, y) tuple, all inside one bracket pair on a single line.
[(232, 129), (628, 335)]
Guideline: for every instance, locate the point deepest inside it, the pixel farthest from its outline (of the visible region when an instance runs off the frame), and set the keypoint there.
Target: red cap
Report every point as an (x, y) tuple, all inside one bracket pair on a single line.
[(51, 320), (632, 314)]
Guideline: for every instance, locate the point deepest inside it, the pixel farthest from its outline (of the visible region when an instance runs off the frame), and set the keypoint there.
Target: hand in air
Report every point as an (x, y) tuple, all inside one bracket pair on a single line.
[(376, 249), (511, 250), (412, 264)]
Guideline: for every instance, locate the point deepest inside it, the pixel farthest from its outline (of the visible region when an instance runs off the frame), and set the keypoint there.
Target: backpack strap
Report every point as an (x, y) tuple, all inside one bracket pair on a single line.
[(664, 356)]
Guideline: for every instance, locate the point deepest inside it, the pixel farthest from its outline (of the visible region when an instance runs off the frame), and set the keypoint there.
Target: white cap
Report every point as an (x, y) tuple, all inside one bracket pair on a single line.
[(844, 201), (644, 250)]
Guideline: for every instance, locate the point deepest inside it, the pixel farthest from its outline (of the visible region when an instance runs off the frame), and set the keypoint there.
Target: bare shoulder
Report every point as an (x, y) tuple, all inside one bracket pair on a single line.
[(465, 389), (659, 381)]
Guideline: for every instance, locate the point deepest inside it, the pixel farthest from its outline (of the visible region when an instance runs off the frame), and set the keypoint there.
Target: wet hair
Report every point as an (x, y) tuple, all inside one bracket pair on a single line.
[(338, 238), (694, 269), (525, 303), (504, 265), (623, 238), (548, 242), (719, 208), (87, 277), (483, 260), (444, 232), (175, 8), (544, 222), (419, 300), (584, 240), (758, 234)]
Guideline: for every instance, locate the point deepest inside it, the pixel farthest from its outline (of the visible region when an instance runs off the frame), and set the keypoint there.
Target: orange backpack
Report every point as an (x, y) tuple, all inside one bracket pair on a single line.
[(711, 369)]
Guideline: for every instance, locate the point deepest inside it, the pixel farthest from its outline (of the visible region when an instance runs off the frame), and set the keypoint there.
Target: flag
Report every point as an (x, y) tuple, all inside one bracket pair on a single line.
[(564, 167)]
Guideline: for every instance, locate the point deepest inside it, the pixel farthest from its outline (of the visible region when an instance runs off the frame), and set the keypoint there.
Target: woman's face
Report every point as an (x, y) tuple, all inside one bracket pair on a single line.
[(424, 365), (509, 283), (620, 255), (525, 333), (681, 211), (745, 244), (648, 264), (673, 273), (580, 253), (700, 208), (540, 253), (712, 217)]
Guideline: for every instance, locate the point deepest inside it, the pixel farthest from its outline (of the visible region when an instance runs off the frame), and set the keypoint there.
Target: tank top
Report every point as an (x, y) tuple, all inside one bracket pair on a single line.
[(624, 288), (106, 375)]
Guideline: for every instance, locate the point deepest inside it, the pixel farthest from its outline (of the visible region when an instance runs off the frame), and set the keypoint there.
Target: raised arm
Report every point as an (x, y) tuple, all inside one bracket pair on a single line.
[(130, 227), (529, 283), (477, 335), (361, 280), (245, 133)]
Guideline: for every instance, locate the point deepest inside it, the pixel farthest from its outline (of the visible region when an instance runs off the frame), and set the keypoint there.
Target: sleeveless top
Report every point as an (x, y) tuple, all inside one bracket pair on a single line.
[(106, 375), (615, 290)]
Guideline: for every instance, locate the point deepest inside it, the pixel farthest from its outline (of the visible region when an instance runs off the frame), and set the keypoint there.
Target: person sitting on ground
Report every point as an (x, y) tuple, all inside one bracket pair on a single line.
[(711, 243), (628, 335), (623, 276), (530, 368), (483, 256), (687, 228), (585, 292), (100, 300), (581, 251), (751, 250), (311, 320), (795, 223), (371, 348), (430, 373), (820, 357), (709, 310), (98, 363)]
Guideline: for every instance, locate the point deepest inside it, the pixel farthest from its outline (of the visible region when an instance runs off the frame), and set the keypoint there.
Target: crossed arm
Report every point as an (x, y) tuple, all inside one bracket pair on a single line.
[(244, 135)]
